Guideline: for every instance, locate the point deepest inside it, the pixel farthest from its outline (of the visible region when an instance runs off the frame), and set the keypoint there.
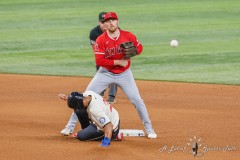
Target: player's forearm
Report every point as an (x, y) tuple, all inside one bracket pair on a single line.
[(122, 62), (101, 61), (108, 130)]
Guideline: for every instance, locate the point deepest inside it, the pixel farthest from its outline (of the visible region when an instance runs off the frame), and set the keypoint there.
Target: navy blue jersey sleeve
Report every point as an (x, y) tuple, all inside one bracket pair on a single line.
[(94, 34)]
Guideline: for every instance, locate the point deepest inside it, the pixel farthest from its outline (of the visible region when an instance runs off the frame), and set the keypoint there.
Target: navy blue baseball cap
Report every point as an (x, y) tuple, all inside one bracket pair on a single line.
[(101, 16)]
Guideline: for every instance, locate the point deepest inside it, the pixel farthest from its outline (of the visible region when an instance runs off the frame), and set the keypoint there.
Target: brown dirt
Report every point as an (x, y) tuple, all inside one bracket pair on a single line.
[(32, 117)]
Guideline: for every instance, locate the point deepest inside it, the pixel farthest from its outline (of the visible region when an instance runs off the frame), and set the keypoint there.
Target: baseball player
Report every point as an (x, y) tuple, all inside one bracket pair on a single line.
[(113, 52), (94, 34), (105, 118)]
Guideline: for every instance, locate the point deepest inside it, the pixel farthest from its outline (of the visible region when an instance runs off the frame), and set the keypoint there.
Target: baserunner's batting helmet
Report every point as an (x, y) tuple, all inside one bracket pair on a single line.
[(75, 101)]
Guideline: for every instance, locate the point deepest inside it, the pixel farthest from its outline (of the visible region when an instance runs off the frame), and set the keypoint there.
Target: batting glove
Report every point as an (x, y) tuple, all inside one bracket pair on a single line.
[(105, 142)]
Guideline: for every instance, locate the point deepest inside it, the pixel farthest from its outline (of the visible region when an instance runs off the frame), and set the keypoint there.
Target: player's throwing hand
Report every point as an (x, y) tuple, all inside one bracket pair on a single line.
[(105, 142), (122, 63), (62, 96)]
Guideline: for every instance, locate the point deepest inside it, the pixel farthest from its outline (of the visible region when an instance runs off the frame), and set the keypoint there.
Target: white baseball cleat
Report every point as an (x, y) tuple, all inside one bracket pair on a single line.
[(152, 135), (66, 131)]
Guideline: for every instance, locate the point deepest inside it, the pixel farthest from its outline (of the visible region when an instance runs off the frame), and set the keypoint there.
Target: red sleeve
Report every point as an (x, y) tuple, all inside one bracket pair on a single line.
[(99, 52), (136, 43), (139, 47), (101, 61)]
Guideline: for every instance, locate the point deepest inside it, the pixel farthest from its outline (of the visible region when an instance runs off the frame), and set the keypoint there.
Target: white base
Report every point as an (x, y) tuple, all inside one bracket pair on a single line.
[(132, 132)]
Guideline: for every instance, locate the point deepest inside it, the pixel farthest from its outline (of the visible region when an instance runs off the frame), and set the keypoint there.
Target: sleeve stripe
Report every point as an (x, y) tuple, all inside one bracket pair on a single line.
[(99, 53)]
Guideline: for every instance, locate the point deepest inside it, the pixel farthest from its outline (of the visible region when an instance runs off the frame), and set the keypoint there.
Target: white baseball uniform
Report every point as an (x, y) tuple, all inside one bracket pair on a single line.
[(100, 111)]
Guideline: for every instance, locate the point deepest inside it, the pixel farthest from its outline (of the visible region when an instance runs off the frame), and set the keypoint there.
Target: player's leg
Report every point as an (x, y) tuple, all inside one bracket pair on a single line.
[(90, 133), (112, 93), (69, 128), (102, 93), (79, 115), (100, 81), (129, 87)]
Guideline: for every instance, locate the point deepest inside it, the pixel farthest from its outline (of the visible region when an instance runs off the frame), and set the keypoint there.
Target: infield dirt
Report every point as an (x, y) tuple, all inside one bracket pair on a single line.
[(32, 117)]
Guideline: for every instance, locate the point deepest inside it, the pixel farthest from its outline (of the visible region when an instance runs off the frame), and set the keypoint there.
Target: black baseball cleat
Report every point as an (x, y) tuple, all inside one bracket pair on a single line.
[(111, 99)]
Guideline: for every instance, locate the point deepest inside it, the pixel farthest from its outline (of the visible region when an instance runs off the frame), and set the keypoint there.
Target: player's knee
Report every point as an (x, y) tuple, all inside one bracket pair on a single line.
[(82, 137), (136, 100)]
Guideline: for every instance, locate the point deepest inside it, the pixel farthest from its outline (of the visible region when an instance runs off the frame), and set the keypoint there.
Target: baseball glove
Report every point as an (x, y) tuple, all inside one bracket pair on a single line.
[(129, 49)]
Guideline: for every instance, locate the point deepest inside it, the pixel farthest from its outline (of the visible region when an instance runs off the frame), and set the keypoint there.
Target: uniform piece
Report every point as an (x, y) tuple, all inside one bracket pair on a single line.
[(100, 111)]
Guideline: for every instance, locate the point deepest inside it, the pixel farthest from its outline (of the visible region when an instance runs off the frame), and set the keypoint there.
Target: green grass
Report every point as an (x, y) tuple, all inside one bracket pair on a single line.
[(50, 37)]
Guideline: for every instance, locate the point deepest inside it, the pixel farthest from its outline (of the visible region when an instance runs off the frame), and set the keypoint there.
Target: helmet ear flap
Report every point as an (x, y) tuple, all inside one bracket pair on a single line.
[(75, 101)]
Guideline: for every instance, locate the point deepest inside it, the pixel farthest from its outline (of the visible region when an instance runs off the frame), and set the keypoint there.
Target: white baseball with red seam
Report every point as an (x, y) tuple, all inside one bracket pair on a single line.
[(174, 43)]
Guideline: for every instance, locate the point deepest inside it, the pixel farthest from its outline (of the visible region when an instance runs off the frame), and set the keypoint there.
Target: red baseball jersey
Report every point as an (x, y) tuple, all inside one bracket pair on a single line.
[(107, 49)]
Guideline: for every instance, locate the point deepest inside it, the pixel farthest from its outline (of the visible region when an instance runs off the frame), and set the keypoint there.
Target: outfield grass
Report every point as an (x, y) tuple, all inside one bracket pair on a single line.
[(50, 37)]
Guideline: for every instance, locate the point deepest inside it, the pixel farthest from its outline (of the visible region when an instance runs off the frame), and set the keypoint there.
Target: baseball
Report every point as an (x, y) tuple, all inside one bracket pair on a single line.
[(174, 43)]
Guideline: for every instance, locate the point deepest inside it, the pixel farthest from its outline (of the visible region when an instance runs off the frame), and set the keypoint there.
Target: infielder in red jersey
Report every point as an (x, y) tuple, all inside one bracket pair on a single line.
[(107, 50), (115, 66), (113, 52)]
